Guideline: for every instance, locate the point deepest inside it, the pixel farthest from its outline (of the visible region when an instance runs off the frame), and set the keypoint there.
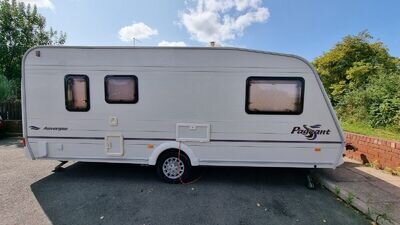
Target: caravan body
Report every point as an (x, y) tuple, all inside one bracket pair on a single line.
[(218, 106)]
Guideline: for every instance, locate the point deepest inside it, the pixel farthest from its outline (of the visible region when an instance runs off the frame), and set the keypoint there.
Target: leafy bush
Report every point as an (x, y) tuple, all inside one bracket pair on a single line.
[(383, 98), (378, 104), (8, 89), (385, 113)]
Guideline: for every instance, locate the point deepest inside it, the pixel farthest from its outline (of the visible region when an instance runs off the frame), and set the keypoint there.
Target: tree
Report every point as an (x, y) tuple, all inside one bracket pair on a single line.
[(352, 63), (21, 27), (362, 80)]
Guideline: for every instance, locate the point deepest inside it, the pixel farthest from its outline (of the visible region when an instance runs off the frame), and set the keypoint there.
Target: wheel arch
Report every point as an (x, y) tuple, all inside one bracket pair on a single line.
[(173, 145)]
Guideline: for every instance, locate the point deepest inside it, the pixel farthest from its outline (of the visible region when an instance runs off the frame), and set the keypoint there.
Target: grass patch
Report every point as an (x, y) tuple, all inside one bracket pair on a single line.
[(350, 198), (337, 190), (365, 129)]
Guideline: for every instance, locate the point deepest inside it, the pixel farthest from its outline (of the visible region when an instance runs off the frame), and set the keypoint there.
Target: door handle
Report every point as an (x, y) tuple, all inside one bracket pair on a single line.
[(109, 145)]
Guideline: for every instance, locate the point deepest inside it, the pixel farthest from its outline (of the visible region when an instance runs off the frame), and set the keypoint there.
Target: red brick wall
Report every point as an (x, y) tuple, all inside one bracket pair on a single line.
[(374, 150)]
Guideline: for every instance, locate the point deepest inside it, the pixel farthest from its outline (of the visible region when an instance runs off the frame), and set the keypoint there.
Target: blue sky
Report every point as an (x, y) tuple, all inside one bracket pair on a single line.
[(306, 28)]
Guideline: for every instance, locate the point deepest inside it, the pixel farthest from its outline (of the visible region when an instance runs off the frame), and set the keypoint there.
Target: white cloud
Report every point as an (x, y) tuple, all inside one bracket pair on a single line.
[(136, 30), (172, 43), (39, 3), (222, 20)]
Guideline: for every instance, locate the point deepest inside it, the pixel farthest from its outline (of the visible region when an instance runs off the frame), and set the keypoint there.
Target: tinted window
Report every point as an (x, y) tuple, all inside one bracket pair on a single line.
[(274, 95), (77, 93), (121, 89)]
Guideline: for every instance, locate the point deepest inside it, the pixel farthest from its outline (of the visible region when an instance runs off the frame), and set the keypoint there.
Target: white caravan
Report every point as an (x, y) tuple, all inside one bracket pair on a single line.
[(176, 108)]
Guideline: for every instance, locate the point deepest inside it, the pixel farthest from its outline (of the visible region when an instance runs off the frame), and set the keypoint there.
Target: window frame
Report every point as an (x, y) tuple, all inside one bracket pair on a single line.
[(136, 91), (87, 85), (249, 79)]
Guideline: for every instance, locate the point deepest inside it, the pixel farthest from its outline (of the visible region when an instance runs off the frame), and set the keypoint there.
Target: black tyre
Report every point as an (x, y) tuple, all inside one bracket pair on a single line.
[(174, 167)]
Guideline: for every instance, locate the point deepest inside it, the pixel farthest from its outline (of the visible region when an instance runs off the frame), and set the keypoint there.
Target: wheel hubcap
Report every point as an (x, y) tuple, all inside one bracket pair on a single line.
[(173, 168)]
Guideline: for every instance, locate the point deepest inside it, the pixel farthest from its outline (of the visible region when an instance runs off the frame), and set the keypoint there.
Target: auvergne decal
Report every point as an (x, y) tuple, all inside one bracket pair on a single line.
[(310, 132), (55, 128), (49, 128)]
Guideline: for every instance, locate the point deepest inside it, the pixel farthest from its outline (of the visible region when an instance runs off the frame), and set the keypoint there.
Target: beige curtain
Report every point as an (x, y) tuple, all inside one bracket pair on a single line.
[(121, 89), (79, 93)]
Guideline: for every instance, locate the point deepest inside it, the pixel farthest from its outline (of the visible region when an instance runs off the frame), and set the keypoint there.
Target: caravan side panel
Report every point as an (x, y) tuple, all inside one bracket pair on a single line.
[(190, 98)]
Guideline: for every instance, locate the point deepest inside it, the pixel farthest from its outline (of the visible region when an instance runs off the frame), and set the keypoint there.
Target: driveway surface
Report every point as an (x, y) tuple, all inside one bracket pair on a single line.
[(99, 193)]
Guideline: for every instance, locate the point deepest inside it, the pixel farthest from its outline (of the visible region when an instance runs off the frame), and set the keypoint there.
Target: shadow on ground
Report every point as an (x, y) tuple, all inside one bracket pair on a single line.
[(10, 141), (96, 193)]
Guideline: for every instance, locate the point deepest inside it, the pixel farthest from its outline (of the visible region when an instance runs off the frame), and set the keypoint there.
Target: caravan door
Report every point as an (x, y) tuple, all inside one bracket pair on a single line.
[(119, 89)]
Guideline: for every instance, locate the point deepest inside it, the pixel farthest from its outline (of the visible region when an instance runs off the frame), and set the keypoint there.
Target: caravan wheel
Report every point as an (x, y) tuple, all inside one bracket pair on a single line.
[(173, 167)]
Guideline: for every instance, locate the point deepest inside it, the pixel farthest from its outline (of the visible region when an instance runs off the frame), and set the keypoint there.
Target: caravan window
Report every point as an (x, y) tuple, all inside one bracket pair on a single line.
[(274, 95), (77, 93), (121, 89)]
